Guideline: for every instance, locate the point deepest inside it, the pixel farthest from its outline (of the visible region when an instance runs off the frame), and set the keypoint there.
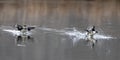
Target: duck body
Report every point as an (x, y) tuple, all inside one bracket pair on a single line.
[(90, 36), (24, 31), (24, 27)]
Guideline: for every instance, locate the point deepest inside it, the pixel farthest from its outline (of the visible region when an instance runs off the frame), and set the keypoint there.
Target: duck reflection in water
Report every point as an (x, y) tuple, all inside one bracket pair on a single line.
[(21, 40)]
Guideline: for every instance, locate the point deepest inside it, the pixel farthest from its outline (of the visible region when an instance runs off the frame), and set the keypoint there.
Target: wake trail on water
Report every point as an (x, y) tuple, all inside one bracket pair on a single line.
[(76, 35)]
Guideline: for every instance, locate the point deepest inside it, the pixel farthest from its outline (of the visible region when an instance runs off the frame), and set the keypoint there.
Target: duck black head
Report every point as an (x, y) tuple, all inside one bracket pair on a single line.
[(19, 27), (93, 28)]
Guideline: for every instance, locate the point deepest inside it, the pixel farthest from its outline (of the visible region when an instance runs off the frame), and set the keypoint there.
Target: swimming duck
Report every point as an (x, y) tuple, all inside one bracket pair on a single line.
[(90, 35), (24, 27), (24, 34)]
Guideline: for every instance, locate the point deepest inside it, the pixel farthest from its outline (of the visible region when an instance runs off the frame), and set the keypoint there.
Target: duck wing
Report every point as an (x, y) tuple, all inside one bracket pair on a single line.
[(30, 28)]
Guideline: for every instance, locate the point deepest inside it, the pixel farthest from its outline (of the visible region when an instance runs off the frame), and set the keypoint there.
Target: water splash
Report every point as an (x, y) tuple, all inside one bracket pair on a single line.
[(16, 32), (76, 35), (73, 33), (98, 36), (51, 30), (21, 45)]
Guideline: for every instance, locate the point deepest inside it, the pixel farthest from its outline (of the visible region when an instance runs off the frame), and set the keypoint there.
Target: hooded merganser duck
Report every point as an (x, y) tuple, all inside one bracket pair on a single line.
[(24, 27), (90, 35), (24, 31)]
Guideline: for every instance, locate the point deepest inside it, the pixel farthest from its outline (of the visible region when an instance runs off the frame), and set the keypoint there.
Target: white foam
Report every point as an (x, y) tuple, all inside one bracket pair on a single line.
[(16, 32), (97, 36), (21, 45)]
